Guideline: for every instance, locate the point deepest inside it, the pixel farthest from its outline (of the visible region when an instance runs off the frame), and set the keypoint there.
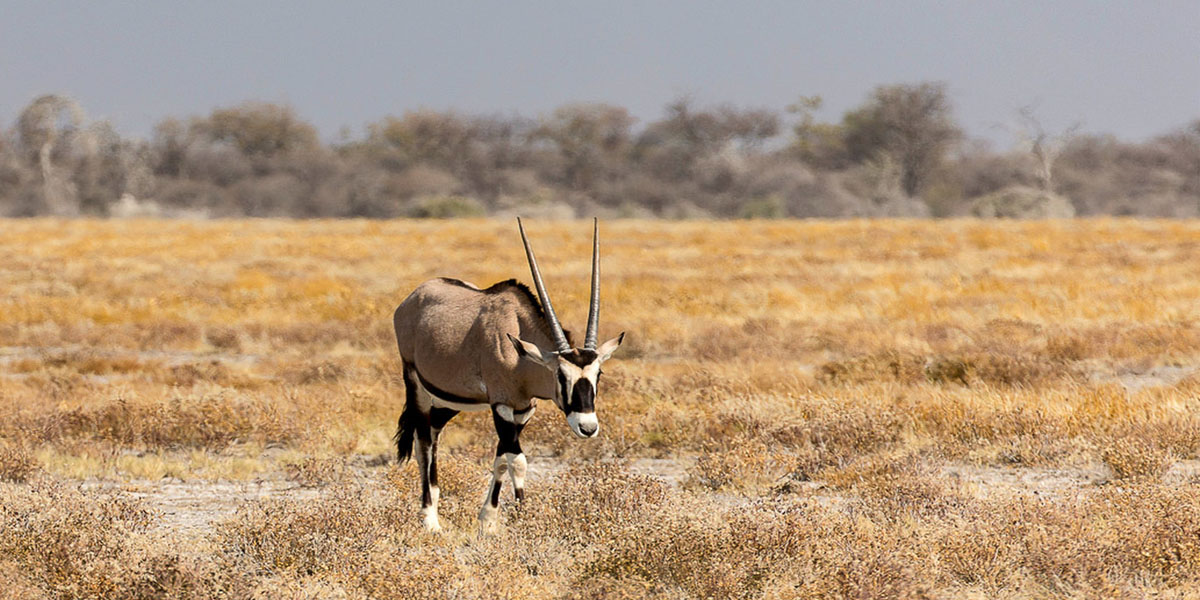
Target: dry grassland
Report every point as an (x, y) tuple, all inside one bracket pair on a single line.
[(801, 410)]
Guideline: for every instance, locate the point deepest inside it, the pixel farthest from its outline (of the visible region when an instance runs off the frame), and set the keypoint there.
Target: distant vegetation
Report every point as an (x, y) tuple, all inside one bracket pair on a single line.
[(900, 153)]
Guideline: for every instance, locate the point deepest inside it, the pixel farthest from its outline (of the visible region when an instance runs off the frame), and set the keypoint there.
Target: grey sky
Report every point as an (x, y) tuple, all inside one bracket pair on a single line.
[(1127, 68)]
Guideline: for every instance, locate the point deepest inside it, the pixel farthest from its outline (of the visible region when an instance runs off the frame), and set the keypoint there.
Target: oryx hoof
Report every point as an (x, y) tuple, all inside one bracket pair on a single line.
[(430, 520), (489, 520)]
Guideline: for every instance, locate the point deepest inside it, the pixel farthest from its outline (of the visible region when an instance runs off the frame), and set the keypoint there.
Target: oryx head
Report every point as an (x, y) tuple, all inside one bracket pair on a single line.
[(576, 370)]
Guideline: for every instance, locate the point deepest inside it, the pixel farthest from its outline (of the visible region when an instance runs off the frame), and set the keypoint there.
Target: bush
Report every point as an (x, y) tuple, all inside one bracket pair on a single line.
[(770, 207), (16, 464), (447, 207), (1019, 202)]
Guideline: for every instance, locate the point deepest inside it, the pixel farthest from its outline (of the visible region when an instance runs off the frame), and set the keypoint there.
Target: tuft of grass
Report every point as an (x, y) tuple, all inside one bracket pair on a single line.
[(311, 471), (17, 464), (1132, 457)]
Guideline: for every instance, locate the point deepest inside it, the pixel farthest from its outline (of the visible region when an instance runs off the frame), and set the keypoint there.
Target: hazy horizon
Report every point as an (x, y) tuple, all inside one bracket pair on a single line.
[(1127, 69)]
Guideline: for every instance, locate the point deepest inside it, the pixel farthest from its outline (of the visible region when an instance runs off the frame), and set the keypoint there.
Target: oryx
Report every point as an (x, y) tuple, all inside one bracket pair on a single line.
[(498, 349)]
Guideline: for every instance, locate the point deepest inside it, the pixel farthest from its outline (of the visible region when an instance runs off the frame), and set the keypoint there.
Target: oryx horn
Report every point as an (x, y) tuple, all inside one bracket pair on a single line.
[(593, 323), (560, 339)]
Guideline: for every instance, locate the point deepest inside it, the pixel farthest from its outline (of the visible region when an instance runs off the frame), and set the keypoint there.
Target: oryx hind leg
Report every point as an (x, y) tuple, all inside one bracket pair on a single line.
[(425, 463), (417, 422), (438, 417)]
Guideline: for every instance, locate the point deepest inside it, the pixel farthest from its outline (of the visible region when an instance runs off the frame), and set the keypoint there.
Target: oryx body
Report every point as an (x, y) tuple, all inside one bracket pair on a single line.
[(497, 349)]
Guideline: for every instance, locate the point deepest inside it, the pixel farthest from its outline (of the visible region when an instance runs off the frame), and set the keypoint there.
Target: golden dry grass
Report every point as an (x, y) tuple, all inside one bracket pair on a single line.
[(822, 379)]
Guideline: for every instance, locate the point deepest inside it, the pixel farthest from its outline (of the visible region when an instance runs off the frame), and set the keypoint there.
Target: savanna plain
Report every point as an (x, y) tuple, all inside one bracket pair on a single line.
[(852, 409)]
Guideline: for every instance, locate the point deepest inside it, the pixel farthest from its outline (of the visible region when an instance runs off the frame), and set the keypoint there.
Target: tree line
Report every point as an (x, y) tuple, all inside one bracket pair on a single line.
[(900, 153)]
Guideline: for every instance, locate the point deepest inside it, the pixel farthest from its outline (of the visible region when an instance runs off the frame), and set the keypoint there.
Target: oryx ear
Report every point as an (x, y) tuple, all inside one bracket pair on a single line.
[(607, 348), (532, 352)]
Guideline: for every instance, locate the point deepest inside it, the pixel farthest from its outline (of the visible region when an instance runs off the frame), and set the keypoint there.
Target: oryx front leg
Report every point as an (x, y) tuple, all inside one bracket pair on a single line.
[(491, 500), (508, 458)]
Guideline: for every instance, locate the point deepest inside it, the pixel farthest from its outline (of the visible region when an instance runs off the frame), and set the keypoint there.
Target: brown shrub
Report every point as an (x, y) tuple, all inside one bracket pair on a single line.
[(317, 472), (589, 502), (947, 369), (462, 483), (334, 533), (745, 464), (189, 374), (838, 435), (419, 574), (16, 583), (1163, 544), (93, 363), (322, 334), (72, 544), (884, 366), (319, 372), (1068, 347), (1013, 371), (16, 463), (1102, 539), (1134, 457), (898, 486), (158, 335), (677, 549), (203, 420), (224, 338)]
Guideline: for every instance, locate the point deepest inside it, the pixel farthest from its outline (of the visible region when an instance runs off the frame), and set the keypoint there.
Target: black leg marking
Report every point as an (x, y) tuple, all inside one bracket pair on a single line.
[(424, 458), (509, 434), (508, 446), (438, 417), (496, 493)]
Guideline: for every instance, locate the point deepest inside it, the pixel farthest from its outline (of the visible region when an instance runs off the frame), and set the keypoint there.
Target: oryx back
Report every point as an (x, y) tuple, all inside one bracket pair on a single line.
[(454, 335)]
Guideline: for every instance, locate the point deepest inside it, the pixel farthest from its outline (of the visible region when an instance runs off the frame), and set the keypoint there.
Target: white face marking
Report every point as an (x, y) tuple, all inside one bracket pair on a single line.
[(578, 422), (569, 369), (592, 371)]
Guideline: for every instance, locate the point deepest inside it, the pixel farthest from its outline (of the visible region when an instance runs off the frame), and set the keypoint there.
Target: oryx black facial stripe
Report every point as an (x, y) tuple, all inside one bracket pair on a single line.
[(564, 391), (583, 397)]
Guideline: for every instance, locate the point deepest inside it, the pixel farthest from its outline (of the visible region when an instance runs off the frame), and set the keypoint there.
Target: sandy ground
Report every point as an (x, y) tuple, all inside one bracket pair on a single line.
[(192, 508)]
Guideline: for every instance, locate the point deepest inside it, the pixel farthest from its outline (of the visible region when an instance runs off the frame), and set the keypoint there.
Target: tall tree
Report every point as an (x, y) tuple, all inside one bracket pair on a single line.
[(912, 124)]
